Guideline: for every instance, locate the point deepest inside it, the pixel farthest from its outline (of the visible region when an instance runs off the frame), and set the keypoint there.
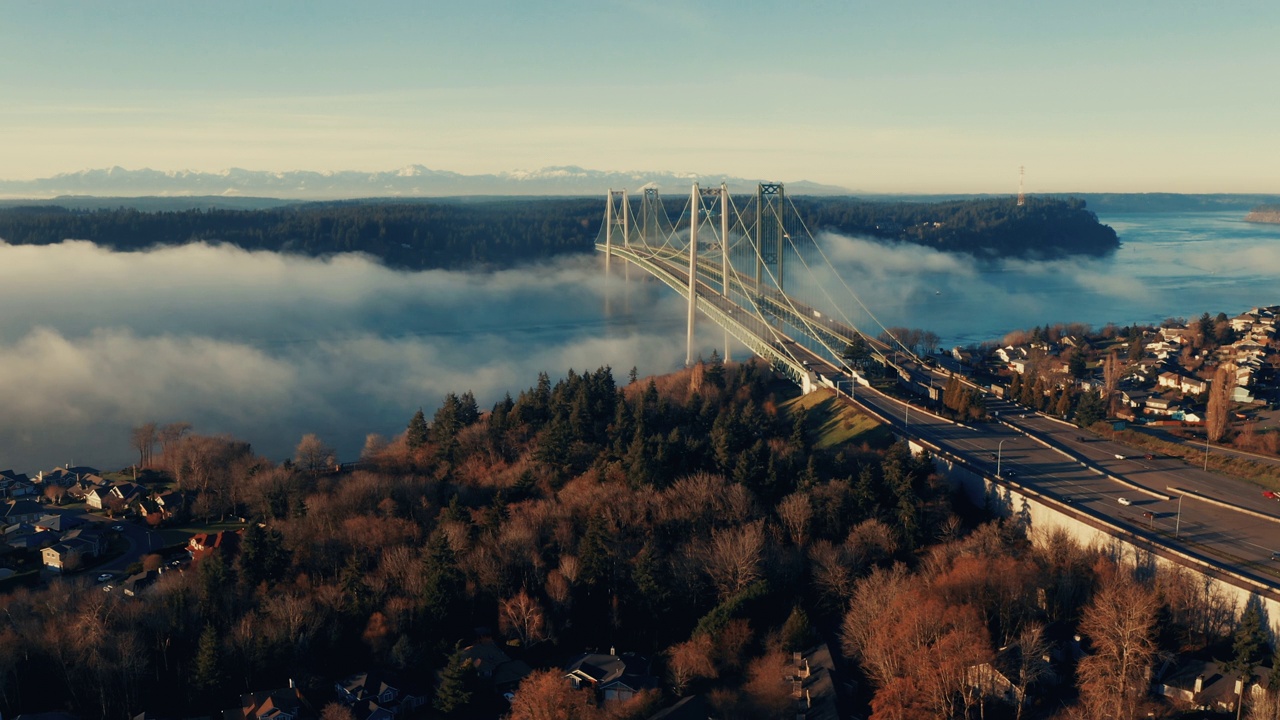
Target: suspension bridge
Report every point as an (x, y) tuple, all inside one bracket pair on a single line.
[(752, 266)]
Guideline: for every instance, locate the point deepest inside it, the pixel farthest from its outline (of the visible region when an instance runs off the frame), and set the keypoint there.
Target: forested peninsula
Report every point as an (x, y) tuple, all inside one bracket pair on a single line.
[(454, 234), (1269, 214)]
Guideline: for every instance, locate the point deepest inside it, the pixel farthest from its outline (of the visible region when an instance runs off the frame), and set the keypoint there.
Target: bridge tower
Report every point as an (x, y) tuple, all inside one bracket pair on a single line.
[(650, 229), (698, 208), (617, 215), (771, 236)]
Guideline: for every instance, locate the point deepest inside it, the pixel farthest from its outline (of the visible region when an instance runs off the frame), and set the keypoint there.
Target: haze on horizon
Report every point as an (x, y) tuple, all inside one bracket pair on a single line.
[(878, 97)]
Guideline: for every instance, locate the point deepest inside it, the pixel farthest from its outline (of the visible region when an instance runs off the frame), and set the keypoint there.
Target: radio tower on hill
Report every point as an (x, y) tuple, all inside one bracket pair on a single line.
[(1022, 199)]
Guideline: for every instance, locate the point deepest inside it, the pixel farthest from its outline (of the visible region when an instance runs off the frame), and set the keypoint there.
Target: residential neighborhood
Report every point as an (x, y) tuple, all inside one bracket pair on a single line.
[(1160, 376)]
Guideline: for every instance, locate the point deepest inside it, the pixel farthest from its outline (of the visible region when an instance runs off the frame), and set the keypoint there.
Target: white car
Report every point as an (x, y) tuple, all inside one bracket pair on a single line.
[(1124, 501)]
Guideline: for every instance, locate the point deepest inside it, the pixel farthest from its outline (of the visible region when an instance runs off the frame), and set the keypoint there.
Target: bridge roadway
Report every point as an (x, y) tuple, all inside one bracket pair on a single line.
[(1223, 521)]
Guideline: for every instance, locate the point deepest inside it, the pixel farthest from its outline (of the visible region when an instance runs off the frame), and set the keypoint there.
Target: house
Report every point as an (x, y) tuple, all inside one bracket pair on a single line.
[(812, 686), (493, 666), (225, 542), (65, 556), (376, 695), (20, 511), (1193, 386), (1157, 405), (91, 535), (691, 707), (16, 485), (29, 537), (135, 584), (97, 497), (59, 523), (1200, 684), (81, 488), (172, 504), (612, 677), (283, 704), (65, 476)]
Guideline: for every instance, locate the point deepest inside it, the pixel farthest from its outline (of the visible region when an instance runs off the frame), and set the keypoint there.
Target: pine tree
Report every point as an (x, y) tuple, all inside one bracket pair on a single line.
[(415, 435), (453, 695), (208, 670), (1249, 644)]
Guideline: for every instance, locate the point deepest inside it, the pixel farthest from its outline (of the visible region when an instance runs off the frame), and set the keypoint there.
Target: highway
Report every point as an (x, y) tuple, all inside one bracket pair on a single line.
[(1092, 475)]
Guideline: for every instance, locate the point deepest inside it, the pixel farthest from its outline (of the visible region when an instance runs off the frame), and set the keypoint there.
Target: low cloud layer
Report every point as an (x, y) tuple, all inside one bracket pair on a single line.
[(267, 347)]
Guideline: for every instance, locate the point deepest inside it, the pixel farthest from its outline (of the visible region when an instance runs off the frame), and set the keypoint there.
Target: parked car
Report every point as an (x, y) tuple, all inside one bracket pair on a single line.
[(1124, 501)]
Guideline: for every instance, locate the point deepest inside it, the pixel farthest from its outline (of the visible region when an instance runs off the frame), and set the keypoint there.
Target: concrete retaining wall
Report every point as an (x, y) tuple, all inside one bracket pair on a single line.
[(1042, 515)]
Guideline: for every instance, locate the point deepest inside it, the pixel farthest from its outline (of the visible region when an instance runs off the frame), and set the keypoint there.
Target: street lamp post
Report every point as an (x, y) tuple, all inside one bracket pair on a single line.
[(1206, 451), (1177, 526), (999, 456)]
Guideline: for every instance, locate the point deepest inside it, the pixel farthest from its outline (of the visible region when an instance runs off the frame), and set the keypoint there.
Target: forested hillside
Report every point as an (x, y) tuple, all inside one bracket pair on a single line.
[(1045, 227), (457, 234), (702, 519)]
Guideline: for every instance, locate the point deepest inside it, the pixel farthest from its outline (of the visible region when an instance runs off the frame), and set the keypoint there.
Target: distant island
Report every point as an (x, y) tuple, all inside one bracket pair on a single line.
[(1269, 214), (1042, 228), (480, 232)]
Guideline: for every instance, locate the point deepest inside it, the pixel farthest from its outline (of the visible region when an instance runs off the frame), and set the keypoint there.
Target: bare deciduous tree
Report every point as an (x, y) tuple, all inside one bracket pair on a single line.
[(523, 616), (796, 512), (689, 661), (545, 695), (1120, 624), (732, 559), (313, 455), (143, 439)]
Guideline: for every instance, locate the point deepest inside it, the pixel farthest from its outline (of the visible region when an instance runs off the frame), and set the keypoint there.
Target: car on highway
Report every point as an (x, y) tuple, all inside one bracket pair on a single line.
[(1275, 555), (1119, 456), (1270, 495), (105, 577), (1124, 501), (118, 528)]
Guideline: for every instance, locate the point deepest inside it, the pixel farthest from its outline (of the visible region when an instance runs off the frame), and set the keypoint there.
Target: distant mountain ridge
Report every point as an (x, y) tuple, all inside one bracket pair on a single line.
[(409, 181)]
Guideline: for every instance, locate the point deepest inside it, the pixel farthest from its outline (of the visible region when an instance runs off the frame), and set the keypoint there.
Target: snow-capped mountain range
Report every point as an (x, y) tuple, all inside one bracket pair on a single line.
[(409, 181)]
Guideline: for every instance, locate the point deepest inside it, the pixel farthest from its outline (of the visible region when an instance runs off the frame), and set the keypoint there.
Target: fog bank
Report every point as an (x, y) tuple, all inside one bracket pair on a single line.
[(268, 347)]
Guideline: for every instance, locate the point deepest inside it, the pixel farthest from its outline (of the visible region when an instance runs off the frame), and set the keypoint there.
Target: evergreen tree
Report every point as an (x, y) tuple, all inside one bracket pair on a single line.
[(415, 435), (797, 634), (1090, 409), (208, 676), (1249, 643), (453, 694)]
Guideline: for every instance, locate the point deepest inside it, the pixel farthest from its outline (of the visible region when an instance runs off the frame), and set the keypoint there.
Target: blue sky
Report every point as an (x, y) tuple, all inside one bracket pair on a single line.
[(885, 96)]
